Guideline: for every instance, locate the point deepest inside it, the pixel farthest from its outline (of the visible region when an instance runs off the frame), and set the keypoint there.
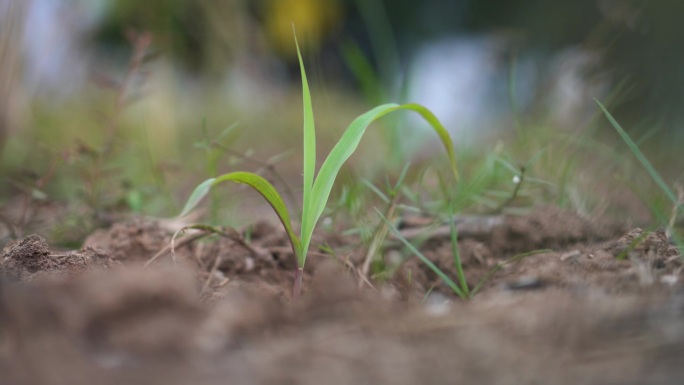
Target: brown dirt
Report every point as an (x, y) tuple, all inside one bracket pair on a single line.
[(31, 259), (602, 306)]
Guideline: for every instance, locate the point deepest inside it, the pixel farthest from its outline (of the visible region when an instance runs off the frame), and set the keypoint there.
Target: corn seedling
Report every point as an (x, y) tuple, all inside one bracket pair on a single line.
[(316, 188)]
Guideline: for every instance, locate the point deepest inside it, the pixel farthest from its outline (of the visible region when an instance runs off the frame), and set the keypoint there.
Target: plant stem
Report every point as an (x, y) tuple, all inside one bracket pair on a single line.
[(297, 287), (514, 195)]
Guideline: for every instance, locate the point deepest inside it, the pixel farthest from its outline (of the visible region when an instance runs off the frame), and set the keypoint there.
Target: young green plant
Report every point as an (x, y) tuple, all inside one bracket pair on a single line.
[(316, 188)]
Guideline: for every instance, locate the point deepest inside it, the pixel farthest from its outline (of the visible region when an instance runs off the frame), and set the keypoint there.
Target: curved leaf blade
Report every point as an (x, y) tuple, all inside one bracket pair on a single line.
[(309, 133), (266, 189), (634, 148), (441, 131), (197, 194)]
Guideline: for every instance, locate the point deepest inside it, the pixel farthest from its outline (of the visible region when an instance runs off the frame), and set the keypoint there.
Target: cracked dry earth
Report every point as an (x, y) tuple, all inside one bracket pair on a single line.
[(604, 304)]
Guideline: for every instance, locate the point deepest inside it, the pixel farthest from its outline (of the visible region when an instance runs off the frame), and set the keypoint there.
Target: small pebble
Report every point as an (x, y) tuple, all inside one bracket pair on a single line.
[(570, 254), (437, 304), (525, 283), (669, 279)]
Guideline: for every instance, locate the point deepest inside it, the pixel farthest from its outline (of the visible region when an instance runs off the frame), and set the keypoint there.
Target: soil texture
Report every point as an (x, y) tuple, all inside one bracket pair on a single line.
[(594, 303)]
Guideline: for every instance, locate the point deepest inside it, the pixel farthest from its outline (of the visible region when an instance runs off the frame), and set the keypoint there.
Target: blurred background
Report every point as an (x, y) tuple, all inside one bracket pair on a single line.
[(123, 103)]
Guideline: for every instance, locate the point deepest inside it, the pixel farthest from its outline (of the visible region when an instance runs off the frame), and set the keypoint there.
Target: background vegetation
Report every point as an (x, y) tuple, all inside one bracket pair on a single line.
[(116, 107)]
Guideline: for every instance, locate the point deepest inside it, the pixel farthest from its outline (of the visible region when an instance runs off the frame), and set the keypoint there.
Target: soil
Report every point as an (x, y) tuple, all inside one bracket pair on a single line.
[(598, 303)]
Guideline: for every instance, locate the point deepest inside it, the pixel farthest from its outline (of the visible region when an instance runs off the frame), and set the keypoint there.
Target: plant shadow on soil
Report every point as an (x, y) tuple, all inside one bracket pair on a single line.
[(222, 312)]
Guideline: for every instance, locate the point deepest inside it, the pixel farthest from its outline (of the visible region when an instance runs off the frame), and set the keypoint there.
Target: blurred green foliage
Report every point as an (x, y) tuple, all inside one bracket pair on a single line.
[(640, 41)]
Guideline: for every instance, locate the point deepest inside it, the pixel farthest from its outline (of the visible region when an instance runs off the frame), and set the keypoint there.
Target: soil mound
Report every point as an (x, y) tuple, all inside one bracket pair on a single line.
[(600, 305), (31, 258)]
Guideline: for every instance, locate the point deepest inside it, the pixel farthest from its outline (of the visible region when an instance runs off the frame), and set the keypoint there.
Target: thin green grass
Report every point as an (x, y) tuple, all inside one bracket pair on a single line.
[(634, 148), (666, 218), (461, 288), (458, 265)]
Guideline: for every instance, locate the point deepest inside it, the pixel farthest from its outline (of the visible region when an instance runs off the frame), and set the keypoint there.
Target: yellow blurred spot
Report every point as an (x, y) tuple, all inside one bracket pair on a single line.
[(313, 19)]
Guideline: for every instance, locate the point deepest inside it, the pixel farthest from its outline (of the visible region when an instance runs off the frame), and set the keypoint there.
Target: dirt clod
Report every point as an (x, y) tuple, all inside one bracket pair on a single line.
[(135, 240), (31, 258)]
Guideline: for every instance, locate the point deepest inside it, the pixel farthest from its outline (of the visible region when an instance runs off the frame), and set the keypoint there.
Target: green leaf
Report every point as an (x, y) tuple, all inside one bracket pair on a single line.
[(309, 138), (266, 189), (639, 155), (134, 199), (445, 278), (458, 265), (200, 192), (440, 130), (346, 146), (363, 71), (376, 190), (226, 132)]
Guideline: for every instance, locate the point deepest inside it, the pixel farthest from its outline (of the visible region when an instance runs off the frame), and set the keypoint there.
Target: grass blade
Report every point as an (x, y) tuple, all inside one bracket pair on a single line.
[(457, 256), (200, 192), (266, 189), (439, 129), (500, 266), (376, 190), (639, 155), (309, 141), (363, 71), (423, 258)]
